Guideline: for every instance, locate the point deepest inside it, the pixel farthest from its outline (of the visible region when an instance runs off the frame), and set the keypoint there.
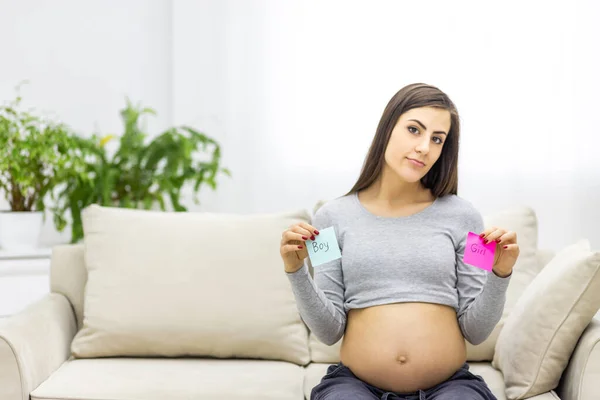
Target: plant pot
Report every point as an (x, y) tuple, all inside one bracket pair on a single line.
[(20, 230)]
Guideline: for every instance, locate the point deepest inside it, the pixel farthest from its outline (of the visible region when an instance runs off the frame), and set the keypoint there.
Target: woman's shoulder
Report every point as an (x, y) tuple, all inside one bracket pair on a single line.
[(334, 207)]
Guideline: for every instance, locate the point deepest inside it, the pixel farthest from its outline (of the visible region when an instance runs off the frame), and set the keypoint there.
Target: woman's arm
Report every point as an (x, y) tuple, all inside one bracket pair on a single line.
[(481, 294), (321, 301)]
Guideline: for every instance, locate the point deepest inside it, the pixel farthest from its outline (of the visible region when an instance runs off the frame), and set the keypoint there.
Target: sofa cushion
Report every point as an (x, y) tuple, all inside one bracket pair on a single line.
[(495, 381), (188, 284), (492, 377), (539, 336), (315, 372), (173, 379), (523, 221), (322, 353), (580, 378)]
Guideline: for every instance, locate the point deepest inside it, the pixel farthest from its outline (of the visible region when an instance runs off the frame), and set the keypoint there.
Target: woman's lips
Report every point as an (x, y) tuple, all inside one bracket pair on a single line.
[(416, 162)]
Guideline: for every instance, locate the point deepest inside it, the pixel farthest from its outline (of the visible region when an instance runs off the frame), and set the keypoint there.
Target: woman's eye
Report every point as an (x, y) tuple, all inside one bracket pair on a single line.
[(437, 140), (412, 129)]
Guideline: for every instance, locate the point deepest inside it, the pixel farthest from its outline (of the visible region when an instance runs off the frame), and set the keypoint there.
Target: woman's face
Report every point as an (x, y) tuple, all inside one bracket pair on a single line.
[(416, 142)]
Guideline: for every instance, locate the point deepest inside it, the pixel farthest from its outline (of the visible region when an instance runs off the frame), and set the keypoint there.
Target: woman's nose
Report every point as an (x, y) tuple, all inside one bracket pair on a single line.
[(423, 146)]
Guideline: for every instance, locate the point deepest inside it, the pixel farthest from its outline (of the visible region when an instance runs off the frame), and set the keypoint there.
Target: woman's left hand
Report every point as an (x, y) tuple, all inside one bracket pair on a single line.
[(507, 249)]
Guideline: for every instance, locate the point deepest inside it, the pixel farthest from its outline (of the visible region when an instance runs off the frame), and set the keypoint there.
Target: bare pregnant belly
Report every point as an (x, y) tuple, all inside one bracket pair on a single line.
[(403, 347)]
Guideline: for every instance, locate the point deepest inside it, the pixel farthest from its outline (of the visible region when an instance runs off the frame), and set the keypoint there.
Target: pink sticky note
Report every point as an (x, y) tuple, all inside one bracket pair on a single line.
[(479, 254)]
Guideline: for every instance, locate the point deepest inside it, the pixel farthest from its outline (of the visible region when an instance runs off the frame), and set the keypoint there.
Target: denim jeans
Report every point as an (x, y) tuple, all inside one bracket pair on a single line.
[(341, 384)]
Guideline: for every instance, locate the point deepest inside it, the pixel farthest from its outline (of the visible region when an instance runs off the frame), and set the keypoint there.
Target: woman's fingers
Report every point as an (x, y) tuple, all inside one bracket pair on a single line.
[(309, 228), (293, 246), (507, 238), (291, 235), (484, 235), (491, 234), (499, 235), (511, 247), (290, 247), (293, 238), (297, 234), (304, 230)]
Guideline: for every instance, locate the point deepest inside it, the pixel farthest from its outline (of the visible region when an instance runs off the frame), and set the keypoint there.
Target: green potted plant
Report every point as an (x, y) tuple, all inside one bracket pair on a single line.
[(36, 154), (141, 173)]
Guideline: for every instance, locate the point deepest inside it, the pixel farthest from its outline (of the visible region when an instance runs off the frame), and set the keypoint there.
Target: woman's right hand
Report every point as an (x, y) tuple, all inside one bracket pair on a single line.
[(293, 245)]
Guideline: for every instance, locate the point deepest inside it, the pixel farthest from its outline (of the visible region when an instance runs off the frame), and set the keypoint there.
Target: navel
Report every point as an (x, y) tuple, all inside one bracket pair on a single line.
[(402, 359)]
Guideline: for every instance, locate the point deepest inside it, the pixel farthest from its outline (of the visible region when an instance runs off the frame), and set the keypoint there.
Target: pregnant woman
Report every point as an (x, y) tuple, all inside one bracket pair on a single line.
[(401, 295)]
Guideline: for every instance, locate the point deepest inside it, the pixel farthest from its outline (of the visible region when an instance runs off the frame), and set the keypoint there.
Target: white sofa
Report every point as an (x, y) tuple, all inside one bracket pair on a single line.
[(197, 306)]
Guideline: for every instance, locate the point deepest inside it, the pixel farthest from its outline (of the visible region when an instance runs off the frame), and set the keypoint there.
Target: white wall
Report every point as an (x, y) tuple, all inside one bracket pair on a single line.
[(83, 57), (305, 82), (294, 89)]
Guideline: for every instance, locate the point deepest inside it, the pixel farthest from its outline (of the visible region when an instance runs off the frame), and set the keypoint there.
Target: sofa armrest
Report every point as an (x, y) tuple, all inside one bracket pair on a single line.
[(33, 344), (581, 378)]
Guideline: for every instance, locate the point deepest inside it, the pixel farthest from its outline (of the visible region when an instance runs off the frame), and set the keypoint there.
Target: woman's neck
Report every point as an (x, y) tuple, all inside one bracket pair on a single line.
[(390, 190)]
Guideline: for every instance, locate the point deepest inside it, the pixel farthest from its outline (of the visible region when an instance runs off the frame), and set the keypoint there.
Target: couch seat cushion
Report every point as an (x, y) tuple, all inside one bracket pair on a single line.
[(493, 378), (173, 379), (312, 376)]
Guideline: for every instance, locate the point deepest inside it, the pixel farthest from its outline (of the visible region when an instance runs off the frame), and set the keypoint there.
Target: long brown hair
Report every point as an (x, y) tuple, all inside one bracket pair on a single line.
[(442, 178)]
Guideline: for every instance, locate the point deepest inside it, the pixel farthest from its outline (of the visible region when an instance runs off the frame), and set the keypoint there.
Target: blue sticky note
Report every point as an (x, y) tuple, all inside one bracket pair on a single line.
[(324, 248)]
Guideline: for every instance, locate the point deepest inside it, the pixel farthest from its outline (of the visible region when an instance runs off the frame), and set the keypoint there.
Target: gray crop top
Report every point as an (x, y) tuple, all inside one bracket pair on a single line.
[(417, 258)]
